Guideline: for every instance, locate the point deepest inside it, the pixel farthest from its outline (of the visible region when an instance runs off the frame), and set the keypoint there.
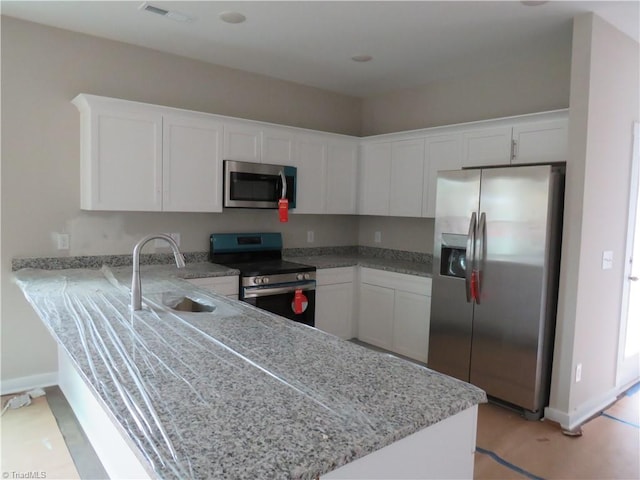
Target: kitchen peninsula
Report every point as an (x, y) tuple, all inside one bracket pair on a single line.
[(237, 392)]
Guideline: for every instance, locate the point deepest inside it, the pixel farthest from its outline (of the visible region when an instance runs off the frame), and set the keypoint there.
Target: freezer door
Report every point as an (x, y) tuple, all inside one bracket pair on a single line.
[(451, 313), (515, 252)]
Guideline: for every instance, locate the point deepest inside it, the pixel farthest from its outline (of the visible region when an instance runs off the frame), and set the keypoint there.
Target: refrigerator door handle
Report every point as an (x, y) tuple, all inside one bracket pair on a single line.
[(481, 253), (469, 259)]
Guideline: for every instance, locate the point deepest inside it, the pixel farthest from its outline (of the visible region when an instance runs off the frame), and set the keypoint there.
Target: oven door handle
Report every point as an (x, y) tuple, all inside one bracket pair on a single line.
[(255, 292)]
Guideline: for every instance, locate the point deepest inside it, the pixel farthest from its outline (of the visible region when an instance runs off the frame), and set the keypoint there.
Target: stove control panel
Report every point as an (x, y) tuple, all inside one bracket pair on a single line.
[(281, 278)]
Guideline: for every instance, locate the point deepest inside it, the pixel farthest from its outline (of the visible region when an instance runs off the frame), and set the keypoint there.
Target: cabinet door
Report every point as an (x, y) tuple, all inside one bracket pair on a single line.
[(242, 142), (486, 147), (227, 286), (334, 309), (342, 178), (375, 176), (311, 161), (122, 160), (411, 325), (541, 142), (407, 165), (443, 152), (277, 146), (192, 164), (375, 322)]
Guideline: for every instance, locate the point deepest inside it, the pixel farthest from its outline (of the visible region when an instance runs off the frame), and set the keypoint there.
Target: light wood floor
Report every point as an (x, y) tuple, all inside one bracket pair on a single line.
[(609, 447), (509, 447)]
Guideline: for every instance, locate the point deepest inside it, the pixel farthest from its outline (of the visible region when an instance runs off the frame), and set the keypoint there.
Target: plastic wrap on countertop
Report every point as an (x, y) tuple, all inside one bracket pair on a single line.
[(200, 393), (132, 357)]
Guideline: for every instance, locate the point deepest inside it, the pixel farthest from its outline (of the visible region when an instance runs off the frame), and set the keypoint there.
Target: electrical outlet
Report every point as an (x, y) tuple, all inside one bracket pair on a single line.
[(62, 240), (578, 372), (310, 236), (377, 237)]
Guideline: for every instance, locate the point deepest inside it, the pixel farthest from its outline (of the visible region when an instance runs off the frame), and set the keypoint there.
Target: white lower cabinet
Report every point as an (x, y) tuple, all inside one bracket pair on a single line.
[(375, 322), (394, 311), (411, 324), (227, 286), (334, 301)]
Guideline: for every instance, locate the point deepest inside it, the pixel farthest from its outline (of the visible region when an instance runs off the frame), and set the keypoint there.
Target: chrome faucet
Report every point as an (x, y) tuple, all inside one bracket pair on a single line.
[(136, 286)]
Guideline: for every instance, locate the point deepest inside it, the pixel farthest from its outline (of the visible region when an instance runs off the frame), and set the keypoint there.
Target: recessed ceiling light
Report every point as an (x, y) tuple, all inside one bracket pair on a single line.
[(232, 17), (361, 58)]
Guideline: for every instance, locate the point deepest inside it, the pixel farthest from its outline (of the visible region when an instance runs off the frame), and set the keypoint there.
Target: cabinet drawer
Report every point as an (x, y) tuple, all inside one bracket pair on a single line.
[(331, 276), (222, 285), (396, 281)]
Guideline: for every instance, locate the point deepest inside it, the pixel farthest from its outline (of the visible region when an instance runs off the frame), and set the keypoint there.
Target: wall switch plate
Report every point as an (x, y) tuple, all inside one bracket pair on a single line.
[(607, 260), (578, 372), (62, 241), (377, 237), (310, 236)]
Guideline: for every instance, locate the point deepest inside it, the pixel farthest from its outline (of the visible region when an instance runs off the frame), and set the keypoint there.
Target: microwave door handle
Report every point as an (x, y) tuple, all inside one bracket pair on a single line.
[(284, 183)]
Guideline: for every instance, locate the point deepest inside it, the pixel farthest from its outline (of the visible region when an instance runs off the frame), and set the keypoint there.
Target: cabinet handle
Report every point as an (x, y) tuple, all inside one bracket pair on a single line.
[(514, 149)]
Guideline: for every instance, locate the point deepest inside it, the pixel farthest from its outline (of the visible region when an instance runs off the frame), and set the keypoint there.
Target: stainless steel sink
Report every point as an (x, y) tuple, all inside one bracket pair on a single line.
[(186, 304)]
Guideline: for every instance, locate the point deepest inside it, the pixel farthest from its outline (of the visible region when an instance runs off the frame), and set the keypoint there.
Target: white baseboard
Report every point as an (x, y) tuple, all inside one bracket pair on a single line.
[(22, 384), (570, 421)]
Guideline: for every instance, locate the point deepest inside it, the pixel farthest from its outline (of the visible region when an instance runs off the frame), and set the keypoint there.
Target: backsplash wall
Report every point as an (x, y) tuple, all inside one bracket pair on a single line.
[(398, 233), (106, 233)]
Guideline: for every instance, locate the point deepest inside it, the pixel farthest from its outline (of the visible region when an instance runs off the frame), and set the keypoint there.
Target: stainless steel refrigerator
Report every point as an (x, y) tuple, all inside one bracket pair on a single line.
[(495, 280)]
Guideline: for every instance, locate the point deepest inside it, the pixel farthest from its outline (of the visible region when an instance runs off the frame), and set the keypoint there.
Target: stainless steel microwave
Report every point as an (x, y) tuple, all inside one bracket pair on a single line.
[(258, 185)]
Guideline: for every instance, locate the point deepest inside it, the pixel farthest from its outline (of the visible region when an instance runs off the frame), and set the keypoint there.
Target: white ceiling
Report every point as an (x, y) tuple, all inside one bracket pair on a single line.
[(311, 42)]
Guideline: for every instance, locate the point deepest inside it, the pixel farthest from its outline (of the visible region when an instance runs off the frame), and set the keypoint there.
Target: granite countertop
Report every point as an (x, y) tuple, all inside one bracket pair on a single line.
[(422, 269), (198, 266), (237, 393)]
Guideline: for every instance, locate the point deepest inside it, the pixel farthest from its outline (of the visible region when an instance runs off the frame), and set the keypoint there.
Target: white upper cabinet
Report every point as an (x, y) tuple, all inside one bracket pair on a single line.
[(407, 166), (541, 138), (192, 159), (139, 157), (541, 142), (311, 161), (342, 177), (276, 146), (121, 156), (327, 174), (375, 179), (486, 147), (442, 152), (242, 142)]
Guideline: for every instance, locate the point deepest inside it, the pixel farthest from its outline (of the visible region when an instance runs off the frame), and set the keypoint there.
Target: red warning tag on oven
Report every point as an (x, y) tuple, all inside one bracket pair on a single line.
[(300, 302), (283, 210)]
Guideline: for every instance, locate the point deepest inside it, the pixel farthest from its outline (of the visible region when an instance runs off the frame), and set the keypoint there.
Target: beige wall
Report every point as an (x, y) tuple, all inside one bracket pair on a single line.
[(605, 100), (533, 84), (43, 68), (400, 233)]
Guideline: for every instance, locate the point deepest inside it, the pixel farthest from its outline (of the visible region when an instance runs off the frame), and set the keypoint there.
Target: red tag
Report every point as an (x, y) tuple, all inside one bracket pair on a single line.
[(283, 210), (474, 285), (300, 302)]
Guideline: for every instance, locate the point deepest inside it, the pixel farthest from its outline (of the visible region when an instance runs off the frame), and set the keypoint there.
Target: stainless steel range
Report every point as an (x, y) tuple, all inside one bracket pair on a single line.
[(267, 281)]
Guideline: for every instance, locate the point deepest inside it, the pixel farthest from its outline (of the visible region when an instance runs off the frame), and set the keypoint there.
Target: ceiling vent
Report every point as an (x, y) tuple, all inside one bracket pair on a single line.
[(171, 14)]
